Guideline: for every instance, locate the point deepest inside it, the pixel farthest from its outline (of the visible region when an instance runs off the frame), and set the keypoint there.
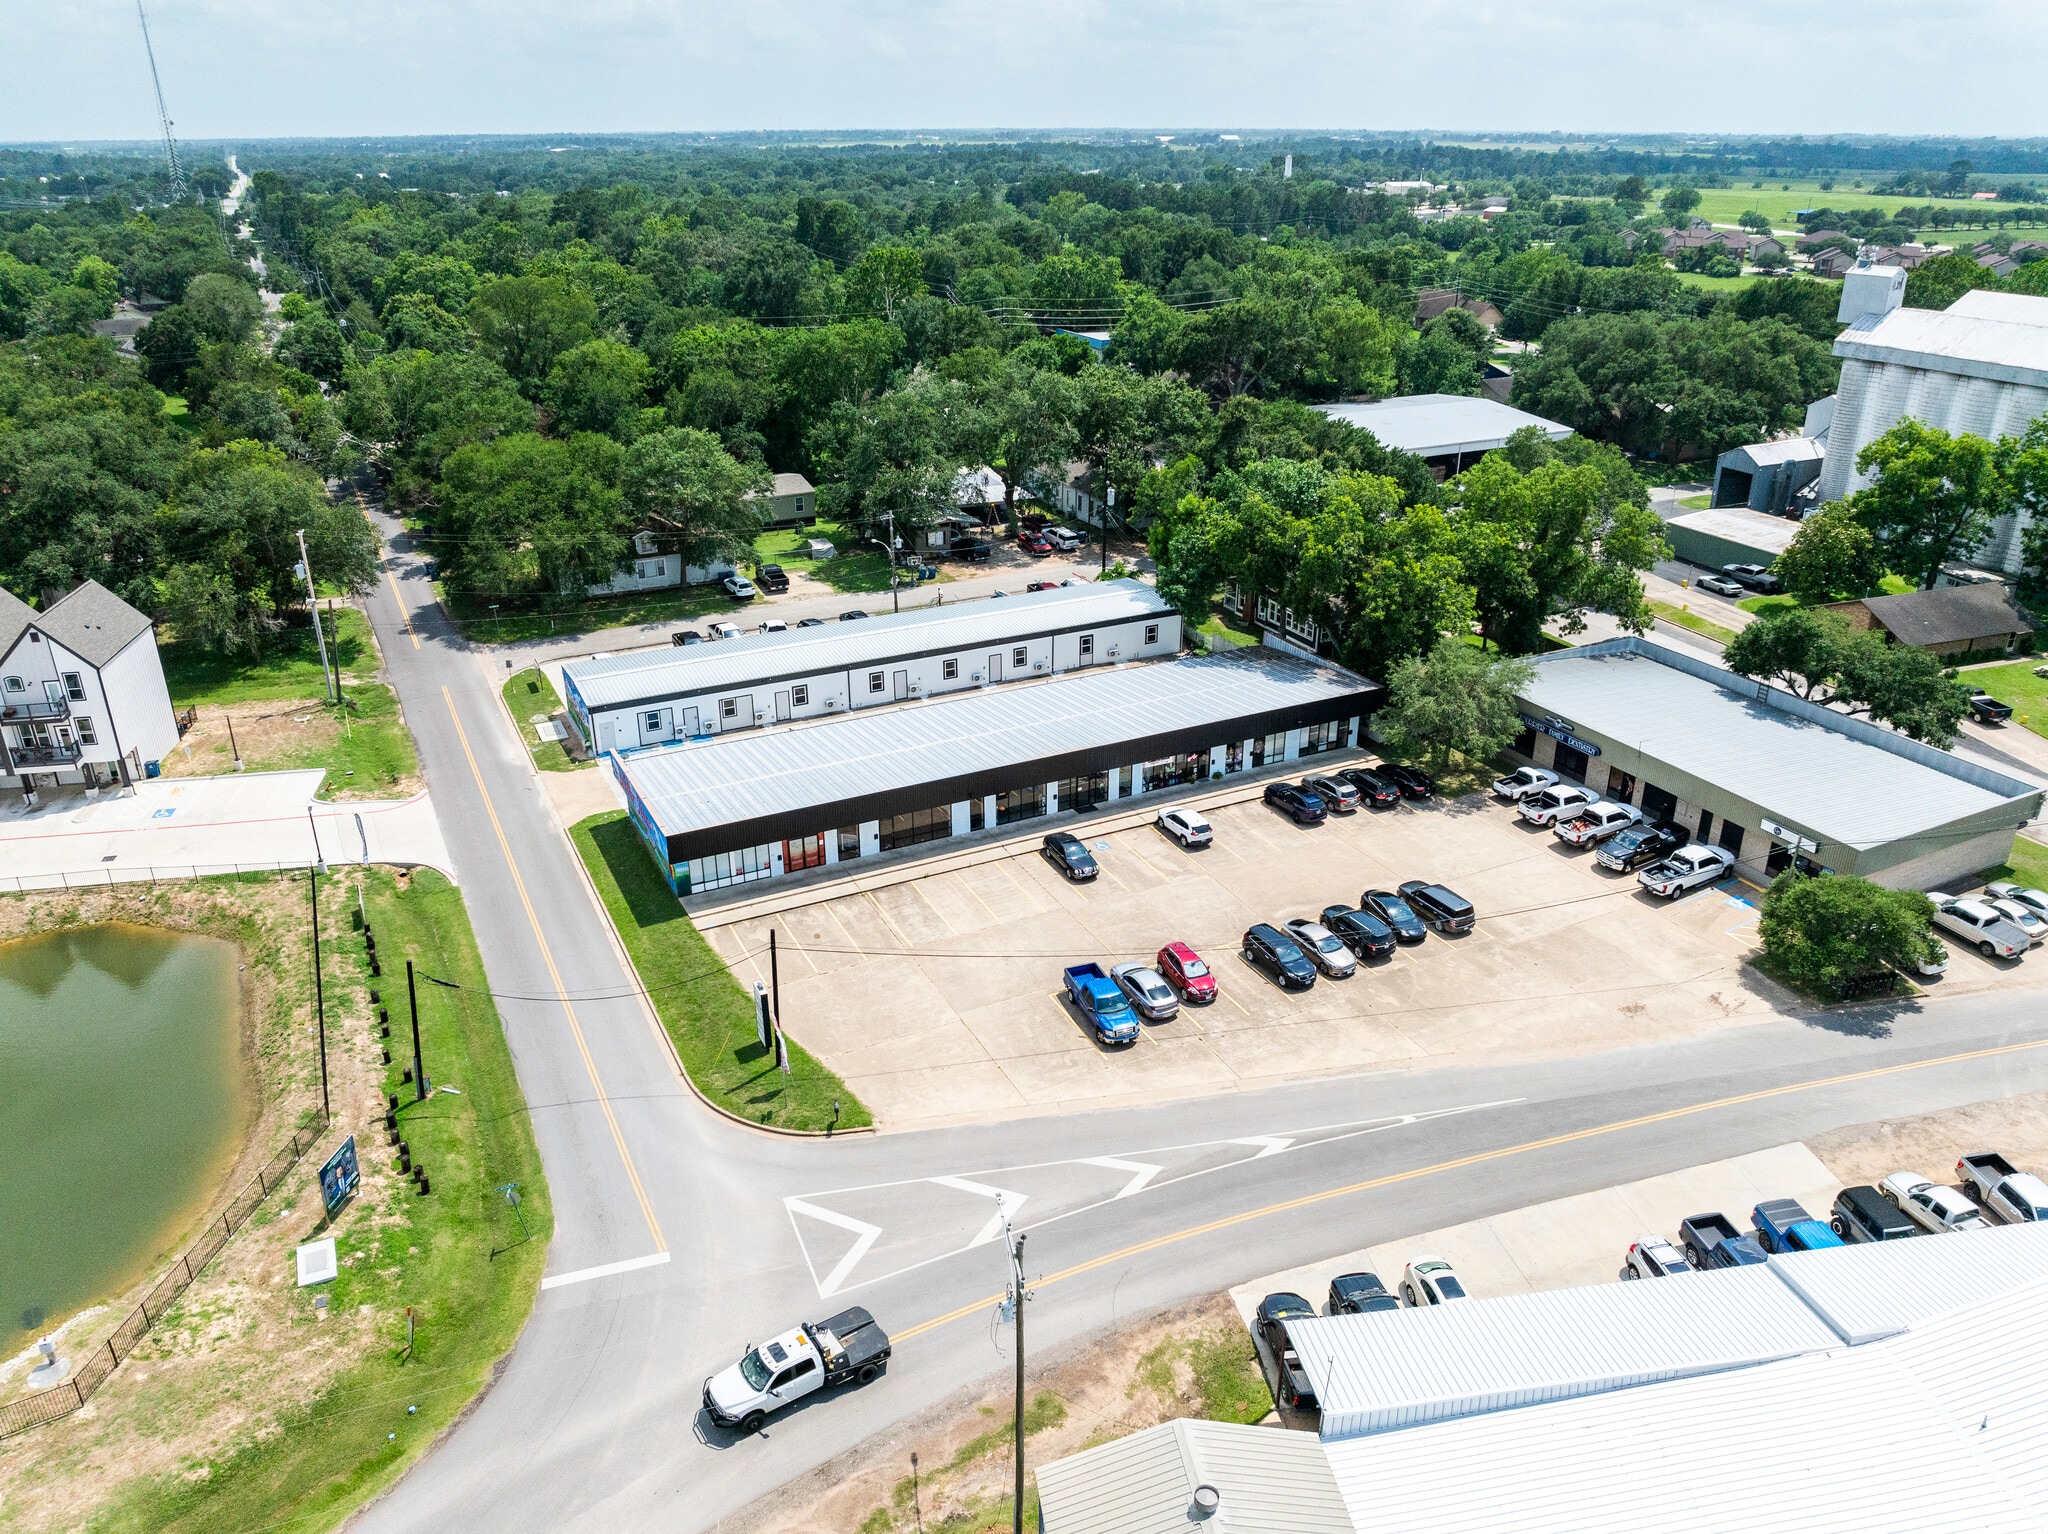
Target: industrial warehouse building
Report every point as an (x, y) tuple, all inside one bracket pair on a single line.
[(652, 697), (1450, 432), (739, 808), (1775, 779), (1716, 539)]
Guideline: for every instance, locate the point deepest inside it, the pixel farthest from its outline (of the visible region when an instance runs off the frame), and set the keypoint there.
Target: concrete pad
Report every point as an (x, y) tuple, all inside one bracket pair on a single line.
[(582, 793)]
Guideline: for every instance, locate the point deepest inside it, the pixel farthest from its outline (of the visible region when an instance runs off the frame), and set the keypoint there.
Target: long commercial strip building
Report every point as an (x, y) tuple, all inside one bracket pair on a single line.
[(739, 808), (652, 697)]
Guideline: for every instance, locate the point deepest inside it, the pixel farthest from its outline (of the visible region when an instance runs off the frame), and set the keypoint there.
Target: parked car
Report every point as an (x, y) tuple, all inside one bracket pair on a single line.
[(1268, 949), (1375, 789), (1413, 782), (1070, 855), (772, 578), (775, 626), (1185, 827), (2034, 900), (1935, 1207), (1304, 807), (2016, 1197), (1041, 585), (685, 636), (1983, 928), (1148, 991), (1395, 912), (1936, 962), (1431, 1281), (810, 623), (1689, 868), (848, 617), (1441, 908), (738, 587), (1065, 539), (1522, 782), (1639, 844), (1325, 950), (1986, 709), (1102, 1002), (972, 551), (1755, 578), (1034, 544), (1336, 794), (2023, 917), (1187, 972), (1595, 823), (1363, 933), (1546, 806), (1783, 1225), (1863, 1214), (723, 630), (1712, 1241), (1722, 586), (1360, 1294), (1654, 1257), (1274, 1312)]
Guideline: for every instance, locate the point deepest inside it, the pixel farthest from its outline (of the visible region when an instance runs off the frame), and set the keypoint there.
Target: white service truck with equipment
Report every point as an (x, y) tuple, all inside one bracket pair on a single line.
[(815, 1354)]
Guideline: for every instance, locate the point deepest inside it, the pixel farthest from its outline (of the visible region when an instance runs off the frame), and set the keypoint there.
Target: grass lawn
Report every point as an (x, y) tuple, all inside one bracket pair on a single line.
[(457, 1255), (2027, 865), (706, 1011), (1719, 284), (1220, 625), (1724, 205), (2016, 684), (855, 568), (1667, 613), (527, 693), (1890, 586), (677, 604), (1697, 502)]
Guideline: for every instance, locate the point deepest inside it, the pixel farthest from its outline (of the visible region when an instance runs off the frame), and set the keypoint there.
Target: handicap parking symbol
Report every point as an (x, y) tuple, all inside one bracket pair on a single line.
[(164, 814)]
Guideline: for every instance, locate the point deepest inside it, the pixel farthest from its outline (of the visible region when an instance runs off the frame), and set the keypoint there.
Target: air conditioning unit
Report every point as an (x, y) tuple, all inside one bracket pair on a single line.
[(1114, 652), (831, 704), (1038, 665), (977, 676), (917, 686), (760, 717)]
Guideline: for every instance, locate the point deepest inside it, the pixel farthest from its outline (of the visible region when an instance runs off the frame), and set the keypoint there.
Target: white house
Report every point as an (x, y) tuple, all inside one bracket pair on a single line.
[(82, 692), (652, 569)]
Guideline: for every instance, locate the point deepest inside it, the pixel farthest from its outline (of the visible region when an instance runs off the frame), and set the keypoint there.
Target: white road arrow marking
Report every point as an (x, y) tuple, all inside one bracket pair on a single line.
[(864, 1237), (1269, 1145), (1143, 1172), (1012, 1202)]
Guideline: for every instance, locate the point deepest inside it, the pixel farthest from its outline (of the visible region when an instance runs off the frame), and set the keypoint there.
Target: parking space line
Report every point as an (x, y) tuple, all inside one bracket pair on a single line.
[(962, 882), (1023, 889), (870, 898), (850, 942), (917, 887)]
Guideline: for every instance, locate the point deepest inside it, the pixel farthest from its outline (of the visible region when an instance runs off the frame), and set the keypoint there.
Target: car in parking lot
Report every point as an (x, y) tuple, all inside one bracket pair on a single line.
[(774, 626), (1035, 544), (1595, 823), (1639, 844), (1653, 1257), (1413, 782), (722, 630), (1303, 807), (1363, 933), (1783, 1225), (1986, 709), (1360, 1294), (1070, 855), (685, 636), (1149, 993), (810, 623), (1041, 585), (1267, 949), (1431, 1281), (1862, 1213), (738, 587), (1064, 539), (1756, 578), (1185, 827), (1274, 1312), (1522, 782), (1935, 1207), (1981, 926), (1722, 586), (1187, 972), (1441, 908), (1395, 912), (1712, 1241), (2034, 900), (1546, 806), (2023, 917), (1325, 950), (1374, 788), (1691, 867), (851, 615), (1336, 794), (772, 578)]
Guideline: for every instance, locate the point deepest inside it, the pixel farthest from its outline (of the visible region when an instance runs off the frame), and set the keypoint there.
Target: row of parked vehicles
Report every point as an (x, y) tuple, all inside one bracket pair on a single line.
[(1664, 858), (1425, 1281)]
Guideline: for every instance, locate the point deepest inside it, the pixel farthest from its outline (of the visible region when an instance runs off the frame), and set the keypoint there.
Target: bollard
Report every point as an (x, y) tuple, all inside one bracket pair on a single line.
[(384, 1032), (374, 970), (391, 1120), (387, 1056), (403, 1076), (393, 1103), (424, 1186), (383, 1014), (404, 1158), (375, 998)]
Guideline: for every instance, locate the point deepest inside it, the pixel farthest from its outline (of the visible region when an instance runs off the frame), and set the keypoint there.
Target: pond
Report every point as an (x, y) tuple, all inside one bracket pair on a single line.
[(123, 1108)]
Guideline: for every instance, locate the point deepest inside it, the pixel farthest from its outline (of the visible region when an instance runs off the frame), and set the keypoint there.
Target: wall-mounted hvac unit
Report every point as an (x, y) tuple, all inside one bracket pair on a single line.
[(917, 686), (977, 676), (760, 717), (1038, 665), (1114, 652), (831, 704)]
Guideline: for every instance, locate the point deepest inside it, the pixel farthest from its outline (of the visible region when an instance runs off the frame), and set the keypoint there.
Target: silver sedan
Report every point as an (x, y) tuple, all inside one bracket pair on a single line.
[(1324, 948)]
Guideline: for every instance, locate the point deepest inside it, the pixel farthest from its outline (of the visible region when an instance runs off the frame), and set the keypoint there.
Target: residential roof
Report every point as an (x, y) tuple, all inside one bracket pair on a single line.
[(696, 786), (1432, 425), (15, 618), (681, 671), (2000, 336), (92, 623), (1884, 1287), (1751, 529), (1269, 1480), (1949, 613), (1760, 744), (790, 484)]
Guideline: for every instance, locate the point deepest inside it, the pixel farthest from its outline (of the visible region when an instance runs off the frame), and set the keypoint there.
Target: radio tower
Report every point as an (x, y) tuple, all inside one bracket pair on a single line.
[(170, 143)]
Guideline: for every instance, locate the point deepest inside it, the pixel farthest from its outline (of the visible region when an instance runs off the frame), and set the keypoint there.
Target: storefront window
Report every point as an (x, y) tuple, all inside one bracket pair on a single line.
[(1014, 804), (721, 869), (1322, 737), (914, 826), (803, 852), (1084, 793), (849, 842), (1233, 757), (1173, 771)]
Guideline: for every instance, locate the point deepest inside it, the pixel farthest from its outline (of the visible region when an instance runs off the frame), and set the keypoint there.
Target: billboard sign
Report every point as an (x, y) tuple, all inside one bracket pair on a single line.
[(339, 1177)]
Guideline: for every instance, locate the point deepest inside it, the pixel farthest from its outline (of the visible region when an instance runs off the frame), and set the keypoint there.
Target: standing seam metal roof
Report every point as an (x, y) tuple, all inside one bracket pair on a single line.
[(1751, 529), (686, 670), (1873, 1289), (1983, 341), (1431, 425), (1271, 1481)]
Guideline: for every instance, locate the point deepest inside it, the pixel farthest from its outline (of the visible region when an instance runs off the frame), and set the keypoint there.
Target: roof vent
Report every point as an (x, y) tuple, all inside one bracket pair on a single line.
[(1207, 1500)]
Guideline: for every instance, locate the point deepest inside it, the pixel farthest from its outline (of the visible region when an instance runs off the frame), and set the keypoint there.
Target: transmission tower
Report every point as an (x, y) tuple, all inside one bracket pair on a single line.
[(170, 143)]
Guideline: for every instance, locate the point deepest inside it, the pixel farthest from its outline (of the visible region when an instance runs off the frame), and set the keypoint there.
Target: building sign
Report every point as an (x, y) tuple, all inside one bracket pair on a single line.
[(1560, 732), (1789, 838), (338, 1179)]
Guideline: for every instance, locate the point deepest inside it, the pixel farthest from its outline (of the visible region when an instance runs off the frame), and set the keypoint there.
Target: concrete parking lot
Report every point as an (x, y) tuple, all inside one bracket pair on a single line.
[(937, 997)]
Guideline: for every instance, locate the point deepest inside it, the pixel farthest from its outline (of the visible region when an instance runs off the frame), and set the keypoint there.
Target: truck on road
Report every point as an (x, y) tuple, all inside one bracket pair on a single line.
[(1712, 1241), (1097, 998), (808, 1358), (1783, 1225), (2016, 1197)]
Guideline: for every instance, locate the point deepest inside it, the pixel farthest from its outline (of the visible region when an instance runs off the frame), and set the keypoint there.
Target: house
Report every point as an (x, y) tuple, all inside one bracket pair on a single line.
[(650, 569), (82, 693), (1832, 263), (1993, 260), (1947, 621), (790, 501), (1814, 238), (1431, 302)]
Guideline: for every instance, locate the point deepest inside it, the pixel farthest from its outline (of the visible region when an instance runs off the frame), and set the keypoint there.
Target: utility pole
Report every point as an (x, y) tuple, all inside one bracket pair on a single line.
[(319, 992), (419, 1069), (889, 548), (313, 602), (1109, 505), (162, 112), (1013, 1312), (774, 981)]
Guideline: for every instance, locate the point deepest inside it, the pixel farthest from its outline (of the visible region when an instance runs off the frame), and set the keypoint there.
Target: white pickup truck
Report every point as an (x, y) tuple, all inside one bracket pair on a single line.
[(1595, 823), (815, 1354), (2016, 1197), (1557, 802)]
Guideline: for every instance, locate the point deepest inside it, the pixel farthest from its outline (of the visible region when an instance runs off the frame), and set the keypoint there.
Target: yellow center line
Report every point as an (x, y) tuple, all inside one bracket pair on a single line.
[(547, 957), (1476, 1159)]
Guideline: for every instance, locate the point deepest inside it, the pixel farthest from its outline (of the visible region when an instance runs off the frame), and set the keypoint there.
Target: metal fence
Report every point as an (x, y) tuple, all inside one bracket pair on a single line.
[(138, 873), (62, 1400)]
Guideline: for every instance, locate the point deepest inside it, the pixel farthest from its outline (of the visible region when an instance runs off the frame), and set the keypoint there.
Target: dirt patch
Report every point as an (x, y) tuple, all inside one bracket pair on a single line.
[(243, 1347), (1189, 1361), (1931, 1143), (273, 730)]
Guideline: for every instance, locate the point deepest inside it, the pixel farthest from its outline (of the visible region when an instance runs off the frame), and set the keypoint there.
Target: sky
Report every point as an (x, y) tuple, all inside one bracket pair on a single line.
[(74, 70)]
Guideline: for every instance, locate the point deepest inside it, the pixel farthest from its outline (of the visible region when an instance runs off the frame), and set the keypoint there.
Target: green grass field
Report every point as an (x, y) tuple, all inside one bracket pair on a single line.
[(675, 605), (2027, 864), (1724, 205), (527, 693), (1890, 586), (854, 568), (1667, 613), (1719, 284), (705, 1010), (2016, 684)]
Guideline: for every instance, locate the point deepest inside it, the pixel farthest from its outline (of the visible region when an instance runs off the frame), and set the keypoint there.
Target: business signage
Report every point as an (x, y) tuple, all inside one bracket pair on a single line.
[(1560, 732), (338, 1179), (1790, 838)]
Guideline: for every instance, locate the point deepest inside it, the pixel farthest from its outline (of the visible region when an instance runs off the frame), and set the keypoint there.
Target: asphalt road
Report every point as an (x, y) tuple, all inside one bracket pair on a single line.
[(595, 1424)]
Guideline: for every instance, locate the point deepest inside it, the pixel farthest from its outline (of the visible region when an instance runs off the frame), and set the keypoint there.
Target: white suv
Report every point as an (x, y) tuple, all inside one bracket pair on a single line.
[(1542, 809), (1980, 925), (1185, 827), (1062, 538)]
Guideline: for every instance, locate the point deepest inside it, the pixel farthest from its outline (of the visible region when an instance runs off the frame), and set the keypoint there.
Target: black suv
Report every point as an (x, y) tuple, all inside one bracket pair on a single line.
[(1862, 1213), (1274, 1312), (685, 636), (1359, 1294), (1393, 910), (1640, 845), (772, 578), (1375, 788), (1413, 782), (1305, 808), (1364, 934), (972, 551), (1070, 855), (1269, 949), (1444, 909)]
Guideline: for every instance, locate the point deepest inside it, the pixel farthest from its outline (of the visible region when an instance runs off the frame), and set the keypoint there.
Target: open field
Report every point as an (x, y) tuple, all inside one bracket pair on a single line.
[(529, 694), (1778, 200), (2016, 684)]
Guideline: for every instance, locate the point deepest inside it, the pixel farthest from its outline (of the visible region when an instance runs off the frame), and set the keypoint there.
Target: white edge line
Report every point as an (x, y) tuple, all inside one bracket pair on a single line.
[(584, 1275)]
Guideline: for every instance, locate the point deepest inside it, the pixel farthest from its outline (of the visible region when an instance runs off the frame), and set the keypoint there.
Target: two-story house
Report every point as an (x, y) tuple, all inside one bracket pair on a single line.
[(82, 692)]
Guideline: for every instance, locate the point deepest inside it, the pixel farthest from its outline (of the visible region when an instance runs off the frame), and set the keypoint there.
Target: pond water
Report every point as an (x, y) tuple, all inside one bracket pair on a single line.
[(122, 1103)]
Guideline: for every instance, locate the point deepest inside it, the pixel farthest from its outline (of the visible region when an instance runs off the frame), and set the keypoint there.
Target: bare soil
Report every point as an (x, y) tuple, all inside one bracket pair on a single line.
[(1931, 1143)]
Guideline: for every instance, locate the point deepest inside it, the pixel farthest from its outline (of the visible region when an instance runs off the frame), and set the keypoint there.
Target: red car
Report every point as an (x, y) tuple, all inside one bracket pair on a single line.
[(1043, 586), (1033, 543), (1183, 969)]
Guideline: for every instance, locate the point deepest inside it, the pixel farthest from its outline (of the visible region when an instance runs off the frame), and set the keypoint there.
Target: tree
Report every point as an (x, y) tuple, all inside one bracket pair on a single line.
[(314, 345), (888, 464), (1837, 936), (1455, 702), (525, 323), (1816, 654), (2023, 461), (1680, 201), (67, 311), (169, 345), (1447, 356), (883, 280), (426, 405), (1940, 281), (598, 386), (1934, 498), (223, 308), (1831, 555), (1755, 221), (681, 484), (531, 515), (1026, 430)]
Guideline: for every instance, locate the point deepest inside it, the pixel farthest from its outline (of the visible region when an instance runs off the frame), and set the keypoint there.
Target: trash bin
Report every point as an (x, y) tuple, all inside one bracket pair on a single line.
[(152, 769)]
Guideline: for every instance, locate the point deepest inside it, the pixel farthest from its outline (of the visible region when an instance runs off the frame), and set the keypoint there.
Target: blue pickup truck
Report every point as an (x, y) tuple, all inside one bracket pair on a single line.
[(1096, 997), (1783, 1225)]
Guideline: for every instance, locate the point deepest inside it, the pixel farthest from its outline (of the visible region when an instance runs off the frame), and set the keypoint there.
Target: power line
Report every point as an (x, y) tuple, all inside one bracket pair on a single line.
[(162, 112)]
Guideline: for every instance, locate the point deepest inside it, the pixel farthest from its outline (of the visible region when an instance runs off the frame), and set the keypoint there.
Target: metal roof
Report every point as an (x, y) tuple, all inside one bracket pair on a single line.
[(1873, 1289), (1402, 1367), (1794, 760), (1431, 425), (1751, 529), (1784, 450), (1271, 1481), (698, 785), (683, 671), (2001, 336)]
